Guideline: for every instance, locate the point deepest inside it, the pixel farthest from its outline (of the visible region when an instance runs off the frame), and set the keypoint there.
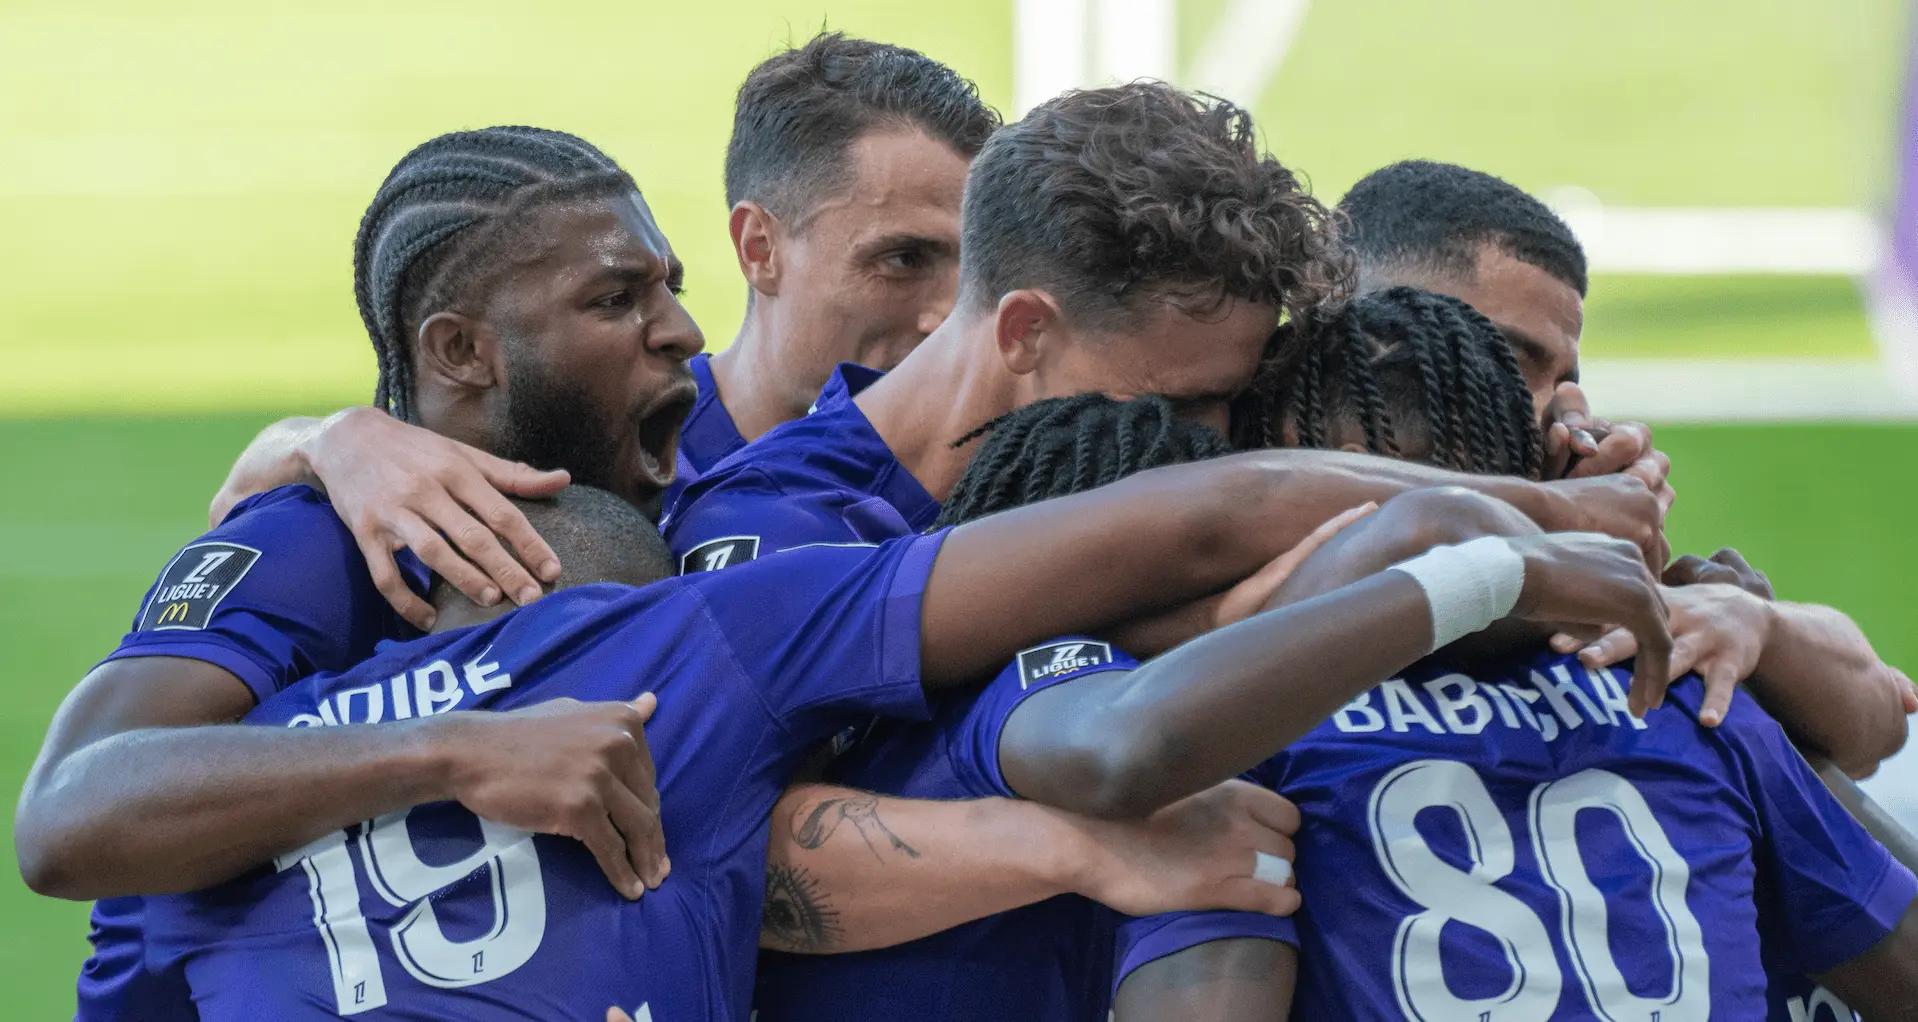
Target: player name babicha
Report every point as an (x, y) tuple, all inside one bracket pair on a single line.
[(420, 692), (1549, 702)]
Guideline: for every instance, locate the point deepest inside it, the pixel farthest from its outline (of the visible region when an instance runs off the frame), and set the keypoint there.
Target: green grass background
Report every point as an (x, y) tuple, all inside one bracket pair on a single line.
[(181, 184)]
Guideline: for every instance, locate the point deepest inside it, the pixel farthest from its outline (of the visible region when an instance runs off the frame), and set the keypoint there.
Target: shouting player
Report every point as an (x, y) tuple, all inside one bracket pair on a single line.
[(457, 914), (504, 275), (520, 298)]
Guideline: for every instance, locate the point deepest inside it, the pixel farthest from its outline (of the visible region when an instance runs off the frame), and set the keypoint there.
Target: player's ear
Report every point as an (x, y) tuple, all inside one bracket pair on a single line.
[(458, 349), (1023, 324), (756, 237)]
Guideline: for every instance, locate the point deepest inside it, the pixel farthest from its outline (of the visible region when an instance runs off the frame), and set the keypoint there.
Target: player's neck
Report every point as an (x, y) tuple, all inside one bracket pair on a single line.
[(951, 384), (460, 612), (758, 386)]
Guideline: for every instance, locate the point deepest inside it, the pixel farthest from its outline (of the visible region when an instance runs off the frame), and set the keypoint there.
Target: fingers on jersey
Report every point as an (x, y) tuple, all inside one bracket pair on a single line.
[(1245, 894), (1267, 807), (378, 547)]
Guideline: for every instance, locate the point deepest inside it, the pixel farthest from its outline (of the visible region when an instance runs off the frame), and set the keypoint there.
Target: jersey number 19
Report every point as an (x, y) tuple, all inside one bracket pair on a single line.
[(406, 882)]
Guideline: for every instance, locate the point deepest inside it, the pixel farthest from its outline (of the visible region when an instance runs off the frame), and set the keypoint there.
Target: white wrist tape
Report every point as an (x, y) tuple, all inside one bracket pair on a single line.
[(1468, 586)]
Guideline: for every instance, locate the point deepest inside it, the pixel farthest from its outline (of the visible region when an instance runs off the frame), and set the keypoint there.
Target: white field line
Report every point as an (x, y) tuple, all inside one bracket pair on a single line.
[(1682, 240), (1745, 389)]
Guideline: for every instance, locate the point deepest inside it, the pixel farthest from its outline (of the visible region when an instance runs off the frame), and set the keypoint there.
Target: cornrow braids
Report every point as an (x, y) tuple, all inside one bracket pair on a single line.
[(1068, 445), (434, 225), (1391, 362)]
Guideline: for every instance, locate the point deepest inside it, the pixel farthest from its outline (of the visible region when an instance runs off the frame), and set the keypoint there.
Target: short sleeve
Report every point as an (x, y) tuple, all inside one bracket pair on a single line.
[(828, 630), (1147, 939), (1827, 890), (278, 591), (738, 515), (972, 738)]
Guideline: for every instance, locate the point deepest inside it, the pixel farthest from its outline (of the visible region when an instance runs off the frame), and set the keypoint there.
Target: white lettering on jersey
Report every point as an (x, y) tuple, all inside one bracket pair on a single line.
[(425, 691), (1456, 704)]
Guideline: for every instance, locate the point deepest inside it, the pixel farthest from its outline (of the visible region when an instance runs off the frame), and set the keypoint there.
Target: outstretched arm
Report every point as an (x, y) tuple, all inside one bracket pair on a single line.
[(141, 788), (1162, 538), (851, 870), (1125, 744)]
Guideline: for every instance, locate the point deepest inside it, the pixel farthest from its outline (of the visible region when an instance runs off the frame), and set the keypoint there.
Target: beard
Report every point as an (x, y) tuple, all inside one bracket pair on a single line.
[(549, 424)]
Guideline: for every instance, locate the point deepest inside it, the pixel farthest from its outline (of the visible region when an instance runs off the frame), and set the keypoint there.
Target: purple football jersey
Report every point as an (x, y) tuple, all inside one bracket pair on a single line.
[(276, 592), (1512, 844), (432, 913), (1051, 960), (825, 478)]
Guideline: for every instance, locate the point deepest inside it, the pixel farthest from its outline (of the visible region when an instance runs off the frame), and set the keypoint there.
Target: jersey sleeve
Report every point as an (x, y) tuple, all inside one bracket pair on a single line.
[(735, 516), (1827, 890), (972, 737), (828, 630), (277, 591), (1145, 940)]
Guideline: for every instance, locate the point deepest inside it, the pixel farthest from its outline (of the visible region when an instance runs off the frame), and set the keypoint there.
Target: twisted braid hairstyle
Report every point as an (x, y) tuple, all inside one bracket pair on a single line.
[(1420, 375), (1069, 444), (434, 233)]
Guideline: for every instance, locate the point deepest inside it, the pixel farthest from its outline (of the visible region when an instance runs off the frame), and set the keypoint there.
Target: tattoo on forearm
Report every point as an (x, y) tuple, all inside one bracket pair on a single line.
[(813, 828), (798, 915)]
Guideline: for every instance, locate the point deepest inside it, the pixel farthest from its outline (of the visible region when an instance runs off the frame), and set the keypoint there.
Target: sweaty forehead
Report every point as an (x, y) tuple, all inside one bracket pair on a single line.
[(902, 181), (590, 234)]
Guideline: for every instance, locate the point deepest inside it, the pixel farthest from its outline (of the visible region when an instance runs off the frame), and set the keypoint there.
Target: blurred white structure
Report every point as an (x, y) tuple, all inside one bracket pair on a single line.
[(1062, 44)]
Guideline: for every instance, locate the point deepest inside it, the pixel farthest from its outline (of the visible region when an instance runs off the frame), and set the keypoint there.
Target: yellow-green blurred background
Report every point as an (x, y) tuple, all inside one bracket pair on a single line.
[(179, 186)]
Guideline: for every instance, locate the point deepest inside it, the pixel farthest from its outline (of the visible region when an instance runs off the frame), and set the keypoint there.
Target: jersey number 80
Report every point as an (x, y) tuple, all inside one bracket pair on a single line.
[(1448, 893)]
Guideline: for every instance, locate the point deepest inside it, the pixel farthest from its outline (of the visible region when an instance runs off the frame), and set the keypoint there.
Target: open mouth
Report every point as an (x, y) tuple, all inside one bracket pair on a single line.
[(659, 427)]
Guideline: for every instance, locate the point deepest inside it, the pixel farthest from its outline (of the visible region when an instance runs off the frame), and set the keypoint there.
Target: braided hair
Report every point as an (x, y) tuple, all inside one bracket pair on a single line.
[(1070, 444), (434, 229), (1405, 366)]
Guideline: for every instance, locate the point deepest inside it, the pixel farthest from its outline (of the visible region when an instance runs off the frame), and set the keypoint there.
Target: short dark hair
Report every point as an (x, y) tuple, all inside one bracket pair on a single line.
[(1422, 214), (1143, 192), (433, 231), (1406, 366), (1070, 444), (597, 537), (800, 111)]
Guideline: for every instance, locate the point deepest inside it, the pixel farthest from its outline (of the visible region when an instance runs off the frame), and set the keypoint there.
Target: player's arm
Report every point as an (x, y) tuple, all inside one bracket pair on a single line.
[(1235, 980), (1126, 744), (140, 788), (850, 870), (1165, 537), (1885, 974), (397, 485), (1881, 983), (1810, 666)]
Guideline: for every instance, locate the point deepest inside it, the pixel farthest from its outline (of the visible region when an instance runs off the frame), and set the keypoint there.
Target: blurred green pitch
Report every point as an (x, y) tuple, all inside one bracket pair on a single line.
[(182, 184)]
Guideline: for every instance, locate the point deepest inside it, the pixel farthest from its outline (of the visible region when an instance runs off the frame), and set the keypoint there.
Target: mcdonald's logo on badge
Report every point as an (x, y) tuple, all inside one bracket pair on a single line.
[(194, 584)]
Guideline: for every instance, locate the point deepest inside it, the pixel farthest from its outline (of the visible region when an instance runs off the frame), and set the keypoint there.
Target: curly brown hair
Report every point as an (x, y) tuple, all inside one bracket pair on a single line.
[(1109, 198)]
